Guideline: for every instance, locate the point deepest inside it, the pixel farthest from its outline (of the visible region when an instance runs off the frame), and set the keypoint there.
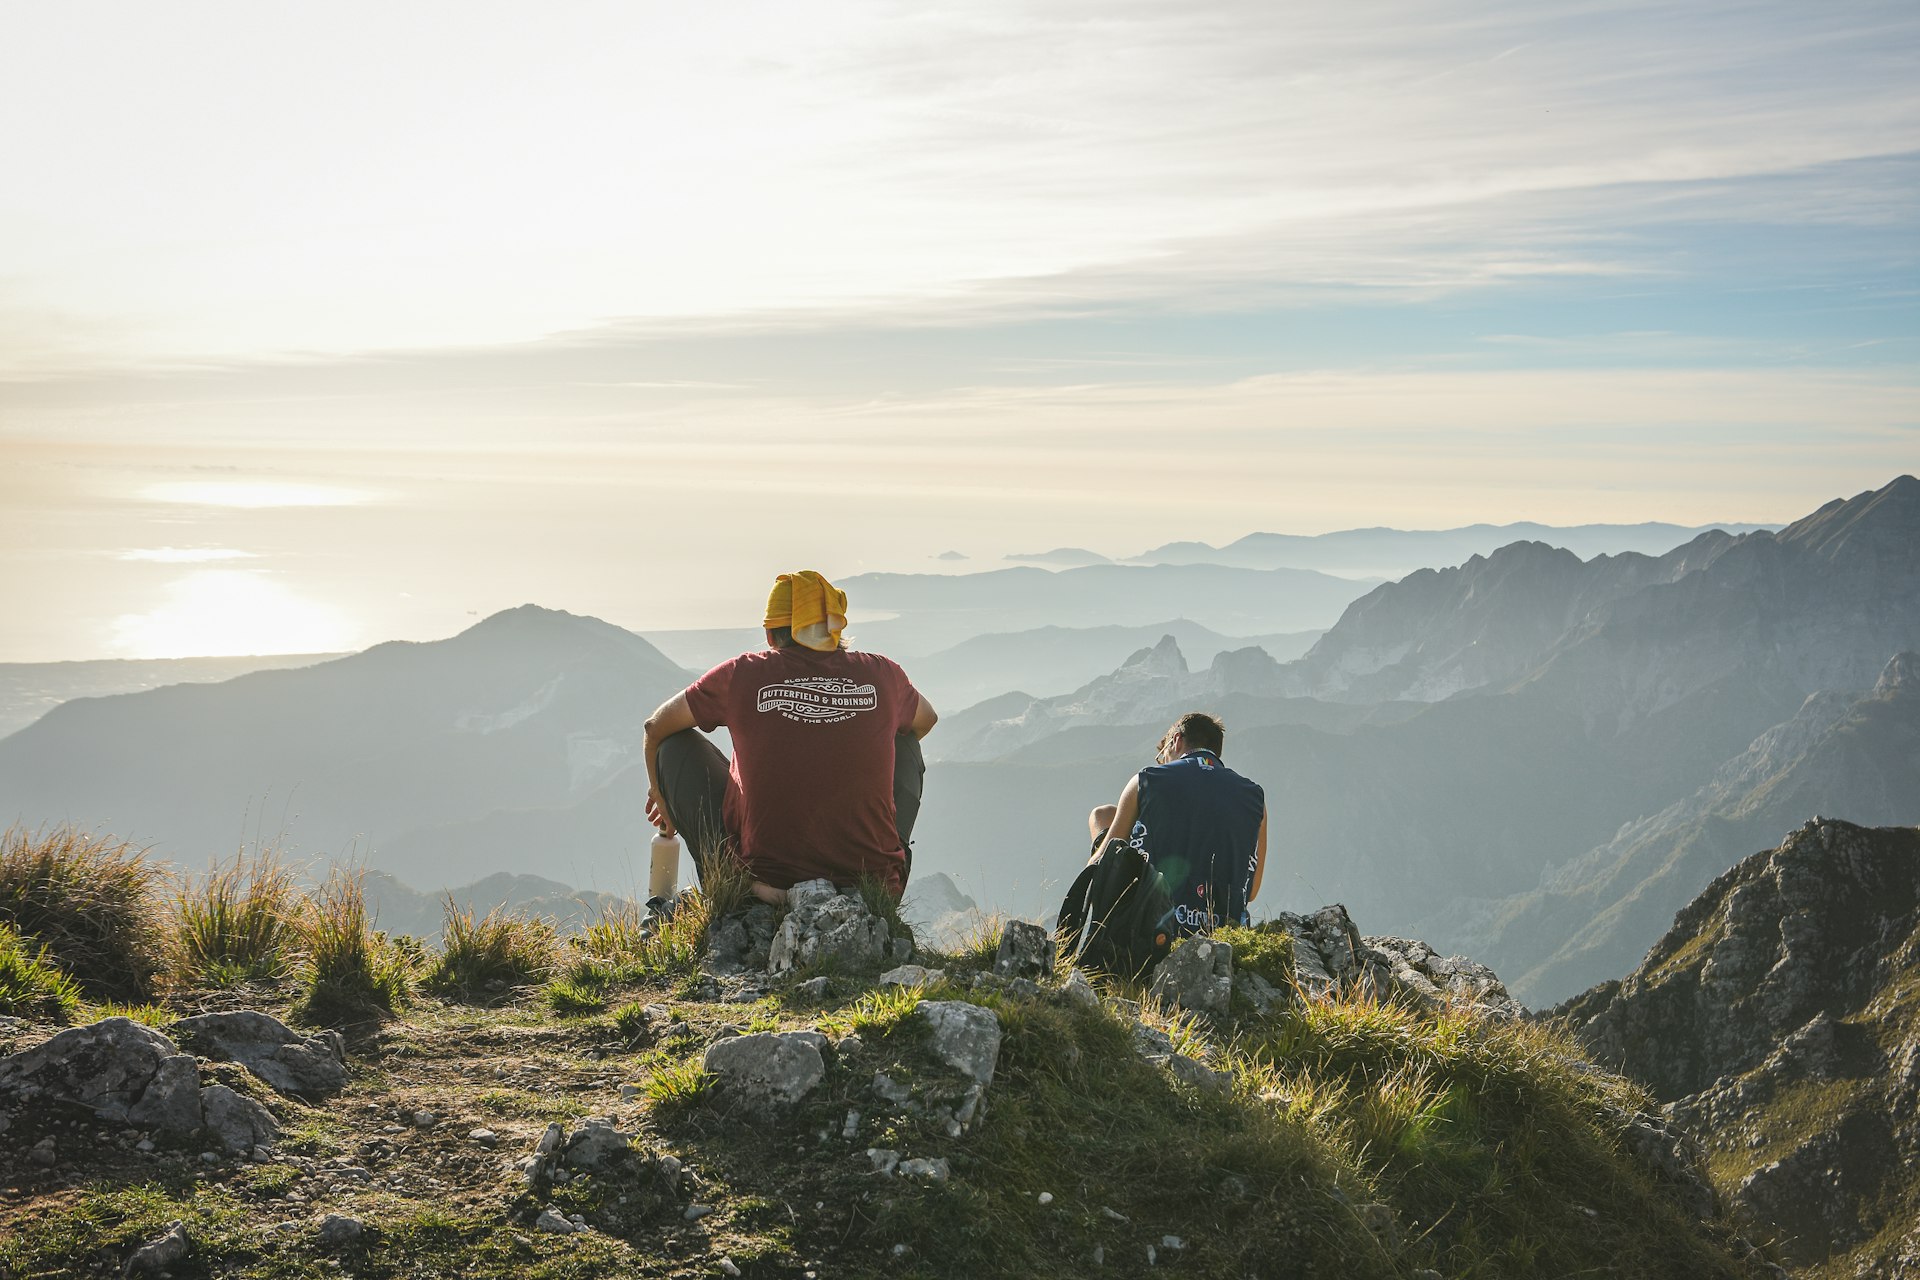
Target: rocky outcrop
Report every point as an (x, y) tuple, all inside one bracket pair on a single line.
[(825, 925), (310, 1067), (1777, 1020), (125, 1071), (1330, 956)]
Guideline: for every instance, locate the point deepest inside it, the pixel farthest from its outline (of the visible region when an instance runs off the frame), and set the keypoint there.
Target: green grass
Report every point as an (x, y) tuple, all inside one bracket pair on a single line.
[(570, 998), (351, 973), (1265, 949), (31, 985), (152, 1015), (676, 1088), (486, 955), (90, 901), (238, 923)]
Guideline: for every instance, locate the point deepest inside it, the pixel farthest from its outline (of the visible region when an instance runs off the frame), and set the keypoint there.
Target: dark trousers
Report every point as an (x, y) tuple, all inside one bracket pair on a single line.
[(693, 781)]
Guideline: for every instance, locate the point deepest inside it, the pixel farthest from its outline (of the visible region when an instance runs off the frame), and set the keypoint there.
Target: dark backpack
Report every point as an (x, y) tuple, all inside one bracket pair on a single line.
[(1118, 916)]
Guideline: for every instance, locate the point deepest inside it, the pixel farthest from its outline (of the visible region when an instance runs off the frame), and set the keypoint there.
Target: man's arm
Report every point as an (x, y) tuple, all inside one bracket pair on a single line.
[(924, 718), (1259, 856), (1124, 814), (669, 718)]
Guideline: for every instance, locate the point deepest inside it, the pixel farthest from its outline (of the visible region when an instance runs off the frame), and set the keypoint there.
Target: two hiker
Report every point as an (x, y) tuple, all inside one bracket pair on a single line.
[(826, 774)]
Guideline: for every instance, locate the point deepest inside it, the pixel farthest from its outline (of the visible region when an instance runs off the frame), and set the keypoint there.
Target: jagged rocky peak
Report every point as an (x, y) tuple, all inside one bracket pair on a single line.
[(1779, 1020), (1901, 679), (1163, 659)]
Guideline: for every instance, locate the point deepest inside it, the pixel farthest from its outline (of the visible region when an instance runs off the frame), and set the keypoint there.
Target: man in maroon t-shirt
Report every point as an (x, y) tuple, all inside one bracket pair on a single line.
[(826, 771)]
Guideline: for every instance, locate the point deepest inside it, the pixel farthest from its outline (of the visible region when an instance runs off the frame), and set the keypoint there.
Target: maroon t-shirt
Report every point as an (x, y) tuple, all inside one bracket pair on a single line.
[(811, 794)]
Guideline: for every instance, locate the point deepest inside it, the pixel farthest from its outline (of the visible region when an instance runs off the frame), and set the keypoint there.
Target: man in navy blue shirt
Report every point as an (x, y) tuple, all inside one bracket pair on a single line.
[(1201, 825)]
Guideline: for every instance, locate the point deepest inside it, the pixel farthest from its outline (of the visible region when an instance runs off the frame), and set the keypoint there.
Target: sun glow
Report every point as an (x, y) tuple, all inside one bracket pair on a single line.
[(219, 613)]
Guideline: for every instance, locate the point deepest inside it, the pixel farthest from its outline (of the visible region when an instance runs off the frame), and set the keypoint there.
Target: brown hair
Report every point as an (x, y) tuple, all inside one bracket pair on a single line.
[(1202, 731), (779, 637)]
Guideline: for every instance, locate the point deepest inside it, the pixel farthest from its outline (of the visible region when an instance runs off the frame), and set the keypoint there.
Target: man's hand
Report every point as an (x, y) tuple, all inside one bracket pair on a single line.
[(657, 812)]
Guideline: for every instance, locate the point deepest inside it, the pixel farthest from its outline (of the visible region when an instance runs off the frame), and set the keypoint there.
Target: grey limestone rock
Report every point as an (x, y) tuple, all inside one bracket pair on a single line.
[(1259, 996), (911, 975), (120, 1068), (309, 1066), (768, 1071), (824, 924), (925, 1170), (161, 1253), (739, 943), (595, 1145), (240, 1123), (1197, 976), (1026, 951), (1409, 968), (964, 1036), (337, 1230), (1078, 991)]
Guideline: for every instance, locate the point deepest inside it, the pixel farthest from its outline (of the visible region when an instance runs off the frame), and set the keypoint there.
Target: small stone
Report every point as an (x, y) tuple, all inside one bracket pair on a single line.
[(628, 1092), (42, 1153), (1026, 951), (727, 1267), (1046, 1197), (552, 1223), (485, 1137), (1099, 1255), (336, 1230), (157, 1255), (884, 1159), (425, 1119), (1172, 1244), (695, 1212), (852, 1125), (888, 1089), (934, 1170), (818, 990), (207, 1157), (849, 1044), (1152, 1257), (550, 1140), (911, 975), (900, 1251), (145, 1144), (1111, 1214)]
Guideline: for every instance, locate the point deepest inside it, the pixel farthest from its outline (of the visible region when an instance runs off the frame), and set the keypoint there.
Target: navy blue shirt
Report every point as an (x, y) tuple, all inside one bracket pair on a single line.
[(1199, 825)]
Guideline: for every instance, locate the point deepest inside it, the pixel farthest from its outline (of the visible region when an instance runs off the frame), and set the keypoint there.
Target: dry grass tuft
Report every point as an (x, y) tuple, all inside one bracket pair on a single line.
[(488, 954), (351, 973), (238, 923), (89, 901)]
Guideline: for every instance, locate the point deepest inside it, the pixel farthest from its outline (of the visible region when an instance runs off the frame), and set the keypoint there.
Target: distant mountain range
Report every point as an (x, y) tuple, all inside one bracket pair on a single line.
[(28, 690), (1391, 553), (1858, 756), (527, 710)]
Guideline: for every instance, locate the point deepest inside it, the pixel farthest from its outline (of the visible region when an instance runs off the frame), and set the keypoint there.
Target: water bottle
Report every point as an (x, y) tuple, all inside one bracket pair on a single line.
[(664, 876)]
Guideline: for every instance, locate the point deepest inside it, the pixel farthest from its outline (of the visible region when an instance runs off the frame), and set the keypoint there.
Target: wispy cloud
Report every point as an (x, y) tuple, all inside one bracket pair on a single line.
[(183, 555), (671, 164)]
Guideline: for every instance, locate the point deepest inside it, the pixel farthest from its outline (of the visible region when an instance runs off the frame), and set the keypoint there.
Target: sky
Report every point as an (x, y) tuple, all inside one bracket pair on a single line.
[(325, 325)]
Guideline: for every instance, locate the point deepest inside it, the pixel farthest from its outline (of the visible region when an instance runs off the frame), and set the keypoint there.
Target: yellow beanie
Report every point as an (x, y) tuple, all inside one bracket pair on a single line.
[(812, 607)]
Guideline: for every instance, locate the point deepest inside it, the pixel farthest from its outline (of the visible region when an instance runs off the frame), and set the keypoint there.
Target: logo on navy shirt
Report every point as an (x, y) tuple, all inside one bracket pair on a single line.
[(817, 699)]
